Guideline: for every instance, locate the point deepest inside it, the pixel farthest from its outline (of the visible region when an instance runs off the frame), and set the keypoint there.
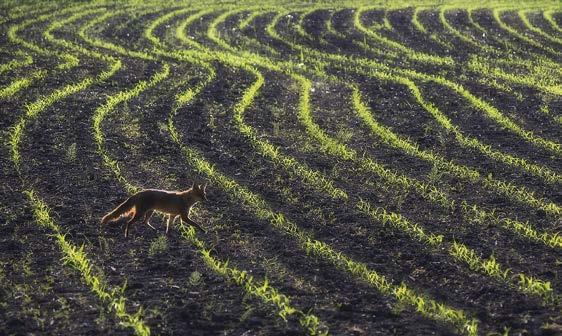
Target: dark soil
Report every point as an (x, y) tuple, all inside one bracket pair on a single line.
[(166, 275)]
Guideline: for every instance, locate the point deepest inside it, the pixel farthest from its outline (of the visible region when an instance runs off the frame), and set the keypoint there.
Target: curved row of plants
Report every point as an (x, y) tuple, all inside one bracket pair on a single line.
[(72, 255), (305, 66), (253, 287)]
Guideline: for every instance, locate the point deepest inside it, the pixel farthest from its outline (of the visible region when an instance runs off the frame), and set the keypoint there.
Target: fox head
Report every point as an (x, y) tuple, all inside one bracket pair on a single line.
[(200, 192)]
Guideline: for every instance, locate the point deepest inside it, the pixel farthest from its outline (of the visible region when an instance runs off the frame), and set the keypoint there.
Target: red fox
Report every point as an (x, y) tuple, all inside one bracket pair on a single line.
[(143, 204)]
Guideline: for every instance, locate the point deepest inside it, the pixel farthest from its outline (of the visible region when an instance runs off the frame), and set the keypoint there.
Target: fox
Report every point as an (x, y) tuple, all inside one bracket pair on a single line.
[(141, 206)]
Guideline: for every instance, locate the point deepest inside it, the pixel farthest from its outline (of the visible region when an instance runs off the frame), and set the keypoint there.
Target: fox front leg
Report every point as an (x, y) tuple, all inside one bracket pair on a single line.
[(147, 217), (168, 222), (185, 218), (138, 215), (129, 223)]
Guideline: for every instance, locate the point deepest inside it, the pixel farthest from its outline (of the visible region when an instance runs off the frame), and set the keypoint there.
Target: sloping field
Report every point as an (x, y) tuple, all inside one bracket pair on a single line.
[(376, 168)]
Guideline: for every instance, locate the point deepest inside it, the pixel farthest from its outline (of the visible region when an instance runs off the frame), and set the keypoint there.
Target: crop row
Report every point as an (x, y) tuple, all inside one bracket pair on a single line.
[(374, 69), (72, 255), (253, 287), (305, 66), (250, 92), (323, 185), (333, 147)]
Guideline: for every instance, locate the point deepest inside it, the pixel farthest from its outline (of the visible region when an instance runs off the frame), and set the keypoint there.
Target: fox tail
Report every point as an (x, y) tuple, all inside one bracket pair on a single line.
[(122, 209)]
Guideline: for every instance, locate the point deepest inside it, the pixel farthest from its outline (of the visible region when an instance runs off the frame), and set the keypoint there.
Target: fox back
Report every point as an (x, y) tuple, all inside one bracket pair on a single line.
[(171, 202)]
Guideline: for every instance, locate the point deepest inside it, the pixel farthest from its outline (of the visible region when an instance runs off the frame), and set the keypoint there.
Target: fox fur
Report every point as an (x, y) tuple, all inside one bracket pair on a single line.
[(142, 205)]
